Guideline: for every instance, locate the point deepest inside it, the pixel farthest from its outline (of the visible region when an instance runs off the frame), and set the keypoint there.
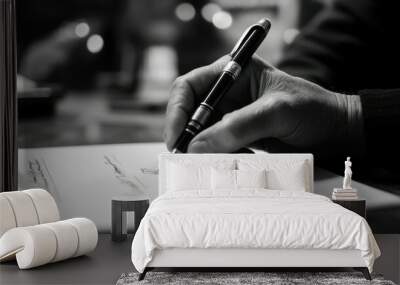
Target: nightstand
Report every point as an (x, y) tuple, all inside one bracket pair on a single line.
[(357, 206)]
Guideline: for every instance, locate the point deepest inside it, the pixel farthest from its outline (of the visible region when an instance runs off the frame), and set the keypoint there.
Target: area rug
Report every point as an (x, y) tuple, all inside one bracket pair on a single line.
[(244, 278)]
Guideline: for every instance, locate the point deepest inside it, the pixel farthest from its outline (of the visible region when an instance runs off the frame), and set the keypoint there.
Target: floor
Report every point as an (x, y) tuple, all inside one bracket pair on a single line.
[(111, 259), (103, 266), (389, 262)]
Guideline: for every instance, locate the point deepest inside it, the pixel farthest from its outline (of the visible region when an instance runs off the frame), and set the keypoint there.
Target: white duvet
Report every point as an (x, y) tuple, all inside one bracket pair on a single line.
[(252, 218)]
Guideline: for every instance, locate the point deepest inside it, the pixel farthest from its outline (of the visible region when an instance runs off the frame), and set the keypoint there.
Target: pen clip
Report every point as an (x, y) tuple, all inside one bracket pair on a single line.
[(242, 39)]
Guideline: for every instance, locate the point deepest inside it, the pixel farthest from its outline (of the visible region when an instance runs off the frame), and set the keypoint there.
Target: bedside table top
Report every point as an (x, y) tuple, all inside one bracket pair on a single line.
[(129, 198)]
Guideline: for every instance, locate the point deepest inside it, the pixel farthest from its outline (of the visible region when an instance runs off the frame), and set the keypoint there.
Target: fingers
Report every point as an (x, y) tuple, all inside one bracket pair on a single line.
[(236, 130), (186, 93)]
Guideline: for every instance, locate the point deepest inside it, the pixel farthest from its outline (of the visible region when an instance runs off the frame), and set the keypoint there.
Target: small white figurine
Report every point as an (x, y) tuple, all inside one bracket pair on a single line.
[(347, 174)]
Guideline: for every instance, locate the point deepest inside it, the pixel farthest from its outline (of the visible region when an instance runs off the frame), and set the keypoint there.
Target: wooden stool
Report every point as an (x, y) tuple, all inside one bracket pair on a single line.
[(119, 206)]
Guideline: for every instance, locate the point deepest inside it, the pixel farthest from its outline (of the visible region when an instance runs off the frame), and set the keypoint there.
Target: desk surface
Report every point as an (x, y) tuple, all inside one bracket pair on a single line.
[(103, 266), (84, 179)]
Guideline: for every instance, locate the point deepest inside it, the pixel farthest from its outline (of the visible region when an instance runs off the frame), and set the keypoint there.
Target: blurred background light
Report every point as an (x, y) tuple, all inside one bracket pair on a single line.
[(82, 30), (208, 11), (289, 35), (185, 12), (95, 43), (222, 20)]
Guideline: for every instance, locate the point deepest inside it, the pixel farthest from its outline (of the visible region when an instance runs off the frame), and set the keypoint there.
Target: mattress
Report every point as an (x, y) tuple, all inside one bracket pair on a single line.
[(251, 219)]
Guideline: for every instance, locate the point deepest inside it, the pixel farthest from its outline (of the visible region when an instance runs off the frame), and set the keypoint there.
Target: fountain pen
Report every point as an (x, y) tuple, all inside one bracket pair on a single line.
[(240, 56)]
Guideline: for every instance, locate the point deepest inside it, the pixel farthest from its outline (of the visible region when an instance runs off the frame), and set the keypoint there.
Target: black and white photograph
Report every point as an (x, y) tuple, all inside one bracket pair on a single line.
[(199, 142)]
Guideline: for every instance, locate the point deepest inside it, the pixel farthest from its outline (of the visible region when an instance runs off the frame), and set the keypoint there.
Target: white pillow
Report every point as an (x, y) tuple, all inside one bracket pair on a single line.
[(185, 175), (223, 179), (251, 178), (281, 174), (236, 179), (183, 178)]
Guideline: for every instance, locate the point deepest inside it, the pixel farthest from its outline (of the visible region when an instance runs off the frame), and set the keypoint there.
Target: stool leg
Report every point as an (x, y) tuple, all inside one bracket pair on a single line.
[(118, 221)]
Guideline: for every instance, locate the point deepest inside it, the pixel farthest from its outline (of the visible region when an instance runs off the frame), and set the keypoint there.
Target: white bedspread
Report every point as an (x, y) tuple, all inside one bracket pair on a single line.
[(250, 219)]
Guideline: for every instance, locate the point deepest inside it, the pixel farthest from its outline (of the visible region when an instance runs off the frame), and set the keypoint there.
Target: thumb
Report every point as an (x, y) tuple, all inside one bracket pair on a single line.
[(236, 130)]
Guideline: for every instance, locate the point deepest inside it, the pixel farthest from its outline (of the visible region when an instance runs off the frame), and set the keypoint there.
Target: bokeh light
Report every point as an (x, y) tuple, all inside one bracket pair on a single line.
[(289, 35), (185, 12), (222, 20), (82, 30), (95, 43), (208, 11)]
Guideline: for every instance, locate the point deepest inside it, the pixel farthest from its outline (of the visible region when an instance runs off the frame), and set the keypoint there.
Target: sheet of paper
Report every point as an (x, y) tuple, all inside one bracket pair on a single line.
[(83, 179)]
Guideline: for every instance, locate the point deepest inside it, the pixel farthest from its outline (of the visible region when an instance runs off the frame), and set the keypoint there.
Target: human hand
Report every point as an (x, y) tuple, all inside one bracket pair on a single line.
[(264, 106)]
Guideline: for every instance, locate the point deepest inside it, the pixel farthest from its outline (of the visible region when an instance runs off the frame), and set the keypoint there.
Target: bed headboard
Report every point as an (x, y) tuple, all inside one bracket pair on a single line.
[(271, 159)]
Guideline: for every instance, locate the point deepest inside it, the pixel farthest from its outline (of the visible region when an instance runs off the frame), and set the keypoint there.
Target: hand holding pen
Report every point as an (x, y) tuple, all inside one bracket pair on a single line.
[(240, 56), (266, 109)]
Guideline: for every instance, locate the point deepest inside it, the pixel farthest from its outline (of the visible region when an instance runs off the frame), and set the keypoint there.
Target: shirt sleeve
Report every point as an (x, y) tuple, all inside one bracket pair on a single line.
[(342, 44), (347, 48)]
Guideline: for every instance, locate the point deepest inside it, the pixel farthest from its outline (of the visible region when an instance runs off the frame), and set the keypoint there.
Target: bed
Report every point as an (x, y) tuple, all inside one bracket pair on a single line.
[(247, 211)]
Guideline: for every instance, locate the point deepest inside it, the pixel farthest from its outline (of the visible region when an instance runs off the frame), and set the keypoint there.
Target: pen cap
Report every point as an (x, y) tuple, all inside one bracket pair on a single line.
[(250, 41), (263, 24)]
